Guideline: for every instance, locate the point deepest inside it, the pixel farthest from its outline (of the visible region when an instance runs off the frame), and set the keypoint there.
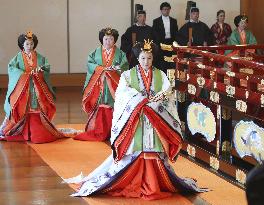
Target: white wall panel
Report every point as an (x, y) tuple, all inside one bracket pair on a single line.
[(47, 19), (87, 18)]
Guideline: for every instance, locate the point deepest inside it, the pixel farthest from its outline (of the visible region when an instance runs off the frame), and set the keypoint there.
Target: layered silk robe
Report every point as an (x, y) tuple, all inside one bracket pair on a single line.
[(237, 38), (144, 136), (29, 103), (221, 34), (99, 92)]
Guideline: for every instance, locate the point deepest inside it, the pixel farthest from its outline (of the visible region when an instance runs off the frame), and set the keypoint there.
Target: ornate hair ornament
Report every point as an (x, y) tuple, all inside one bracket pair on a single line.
[(108, 31), (147, 46), (29, 35), (244, 18)]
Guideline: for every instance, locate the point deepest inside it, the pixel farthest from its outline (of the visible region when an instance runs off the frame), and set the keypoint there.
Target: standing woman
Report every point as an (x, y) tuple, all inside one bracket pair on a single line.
[(221, 30), (105, 65), (145, 135), (29, 104)]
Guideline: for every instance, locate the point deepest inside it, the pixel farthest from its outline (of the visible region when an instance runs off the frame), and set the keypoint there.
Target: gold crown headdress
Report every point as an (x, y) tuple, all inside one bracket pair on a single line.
[(29, 35), (147, 45)]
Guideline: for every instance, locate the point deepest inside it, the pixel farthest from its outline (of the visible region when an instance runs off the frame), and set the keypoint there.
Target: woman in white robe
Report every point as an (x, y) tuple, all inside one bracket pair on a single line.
[(145, 135)]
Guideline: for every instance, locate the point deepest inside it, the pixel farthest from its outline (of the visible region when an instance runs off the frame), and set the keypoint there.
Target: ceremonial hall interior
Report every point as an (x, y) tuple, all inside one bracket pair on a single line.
[(218, 98)]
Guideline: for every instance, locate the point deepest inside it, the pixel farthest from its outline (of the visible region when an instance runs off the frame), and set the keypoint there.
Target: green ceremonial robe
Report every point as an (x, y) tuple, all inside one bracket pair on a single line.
[(16, 68), (95, 59), (235, 39)]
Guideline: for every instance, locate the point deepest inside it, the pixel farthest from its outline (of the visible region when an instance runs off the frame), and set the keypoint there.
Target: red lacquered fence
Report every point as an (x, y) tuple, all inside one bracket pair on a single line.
[(221, 106)]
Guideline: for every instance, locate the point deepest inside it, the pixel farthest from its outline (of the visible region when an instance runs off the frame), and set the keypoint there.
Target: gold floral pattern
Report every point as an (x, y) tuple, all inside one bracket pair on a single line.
[(230, 90), (241, 106), (230, 74), (191, 150), (214, 96), (181, 97), (262, 100), (226, 113), (191, 89), (214, 163), (200, 66), (201, 81), (241, 176)]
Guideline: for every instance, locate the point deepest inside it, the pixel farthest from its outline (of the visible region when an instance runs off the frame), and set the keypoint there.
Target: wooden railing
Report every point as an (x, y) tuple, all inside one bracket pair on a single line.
[(221, 106)]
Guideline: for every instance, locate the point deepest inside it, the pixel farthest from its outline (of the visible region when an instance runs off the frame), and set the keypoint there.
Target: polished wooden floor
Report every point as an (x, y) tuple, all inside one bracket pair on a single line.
[(25, 179)]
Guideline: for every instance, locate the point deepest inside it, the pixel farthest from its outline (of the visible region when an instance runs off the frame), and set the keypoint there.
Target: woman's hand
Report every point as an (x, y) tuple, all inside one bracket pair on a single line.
[(108, 68), (32, 71), (36, 70), (117, 67), (39, 69)]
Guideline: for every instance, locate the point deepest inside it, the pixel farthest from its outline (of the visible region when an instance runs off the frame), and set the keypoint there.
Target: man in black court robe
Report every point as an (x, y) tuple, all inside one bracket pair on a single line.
[(137, 33), (195, 32), (166, 27)]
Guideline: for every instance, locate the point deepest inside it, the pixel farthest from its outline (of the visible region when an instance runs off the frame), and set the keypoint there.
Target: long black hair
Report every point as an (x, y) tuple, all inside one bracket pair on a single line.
[(109, 32), (23, 37)]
